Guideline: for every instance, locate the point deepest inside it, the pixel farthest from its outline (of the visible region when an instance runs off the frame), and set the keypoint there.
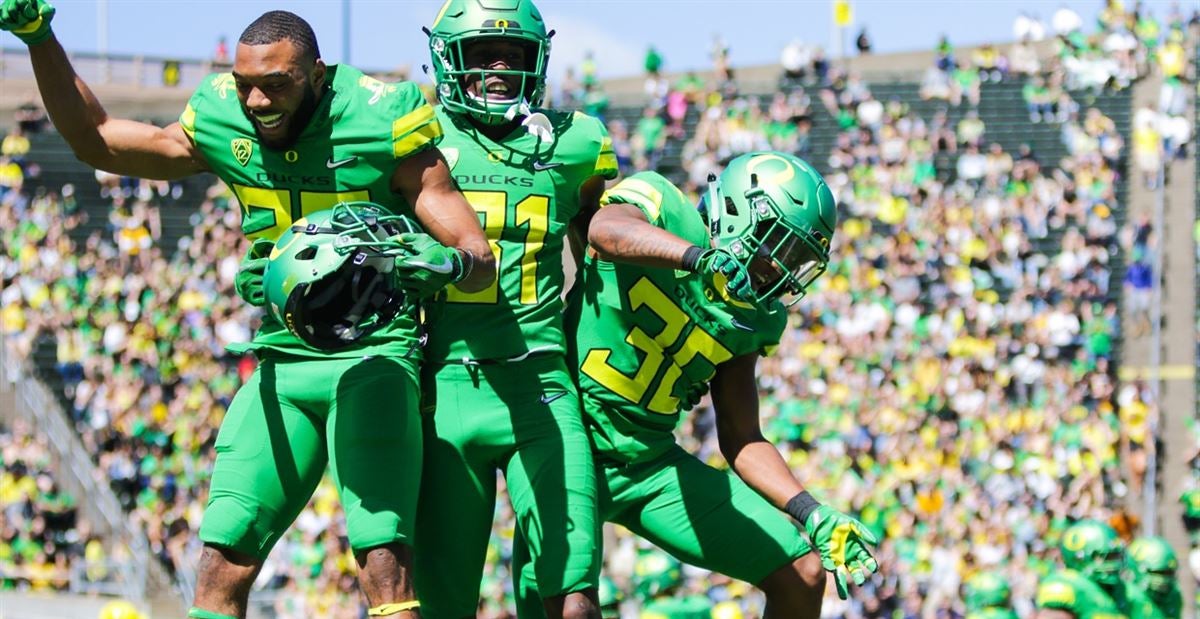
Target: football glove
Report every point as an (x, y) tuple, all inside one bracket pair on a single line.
[(29, 20), (839, 539), (428, 266), (711, 263), (249, 279)]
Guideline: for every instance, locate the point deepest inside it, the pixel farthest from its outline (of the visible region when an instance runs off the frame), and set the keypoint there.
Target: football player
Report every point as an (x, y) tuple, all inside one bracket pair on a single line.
[(292, 136), (988, 596), (1151, 565), (1090, 587), (673, 300), (500, 395)]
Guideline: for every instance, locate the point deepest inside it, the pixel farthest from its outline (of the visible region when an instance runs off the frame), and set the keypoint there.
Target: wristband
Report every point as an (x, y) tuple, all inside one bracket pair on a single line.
[(691, 258), (467, 264), (801, 506)]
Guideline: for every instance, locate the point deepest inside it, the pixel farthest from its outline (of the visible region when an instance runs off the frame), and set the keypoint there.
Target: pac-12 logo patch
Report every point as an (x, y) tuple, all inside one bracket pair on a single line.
[(242, 149), (451, 155)]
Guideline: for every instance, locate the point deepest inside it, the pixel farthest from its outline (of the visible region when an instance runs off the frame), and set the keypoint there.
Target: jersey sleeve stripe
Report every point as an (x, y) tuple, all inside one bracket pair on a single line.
[(414, 131), (187, 120), (606, 161), (638, 193)]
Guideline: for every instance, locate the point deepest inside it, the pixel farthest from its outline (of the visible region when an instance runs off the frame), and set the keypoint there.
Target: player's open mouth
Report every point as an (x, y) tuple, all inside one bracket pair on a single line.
[(269, 121)]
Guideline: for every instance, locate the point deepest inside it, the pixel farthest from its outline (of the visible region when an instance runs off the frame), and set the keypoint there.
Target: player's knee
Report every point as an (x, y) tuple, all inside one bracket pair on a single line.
[(580, 605), (368, 530), (810, 571), (802, 577), (231, 524)]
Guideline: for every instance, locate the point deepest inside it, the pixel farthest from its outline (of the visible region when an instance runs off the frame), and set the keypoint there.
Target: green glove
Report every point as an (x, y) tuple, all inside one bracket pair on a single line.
[(249, 279), (839, 539), (29, 20), (718, 261), (428, 266)]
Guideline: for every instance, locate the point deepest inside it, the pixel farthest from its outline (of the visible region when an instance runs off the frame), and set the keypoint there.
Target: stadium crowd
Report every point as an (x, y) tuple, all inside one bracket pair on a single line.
[(951, 379), (43, 543)]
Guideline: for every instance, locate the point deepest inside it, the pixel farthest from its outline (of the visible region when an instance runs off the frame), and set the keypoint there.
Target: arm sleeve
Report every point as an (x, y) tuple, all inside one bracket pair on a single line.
[(415, 127)]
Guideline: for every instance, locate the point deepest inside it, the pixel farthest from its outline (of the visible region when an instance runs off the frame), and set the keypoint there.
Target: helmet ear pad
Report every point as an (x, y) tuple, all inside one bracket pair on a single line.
[(325, 313)]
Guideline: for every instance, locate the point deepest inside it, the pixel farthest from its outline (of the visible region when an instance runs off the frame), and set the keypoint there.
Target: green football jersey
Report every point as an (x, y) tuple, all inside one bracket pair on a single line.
[(1143, 605), (360, 130), (526, 193), (648, 340), (1070, 591)]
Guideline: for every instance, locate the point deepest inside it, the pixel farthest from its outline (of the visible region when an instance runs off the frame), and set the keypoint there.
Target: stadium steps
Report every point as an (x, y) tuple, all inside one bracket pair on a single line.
[(60, 166)]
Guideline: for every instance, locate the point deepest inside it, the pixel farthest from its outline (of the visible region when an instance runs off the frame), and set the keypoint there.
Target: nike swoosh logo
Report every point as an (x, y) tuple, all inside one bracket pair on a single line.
[(539, 166), (333, 165), (444, 267), (550, 397), (740, 325)]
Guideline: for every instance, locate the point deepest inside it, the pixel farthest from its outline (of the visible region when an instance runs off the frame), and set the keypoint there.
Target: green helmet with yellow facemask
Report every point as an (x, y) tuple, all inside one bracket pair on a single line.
[(776, 215), (1093, 549)]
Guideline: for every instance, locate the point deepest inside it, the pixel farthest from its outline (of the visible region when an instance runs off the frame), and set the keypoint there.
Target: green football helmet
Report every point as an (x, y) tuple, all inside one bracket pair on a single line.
[(777, 216), (986, 590), (328, 279), (1093, 549), (460, 22), (655, 573), (1153, 564)]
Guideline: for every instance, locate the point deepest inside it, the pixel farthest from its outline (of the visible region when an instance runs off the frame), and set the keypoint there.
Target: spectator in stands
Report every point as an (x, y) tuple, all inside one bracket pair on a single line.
[(796, 60), (1065, 21), (649, 139), (862, 42), (964, 83), (15, 145), (1147, 147), (30, 117), (221, 53), (1038, 99)]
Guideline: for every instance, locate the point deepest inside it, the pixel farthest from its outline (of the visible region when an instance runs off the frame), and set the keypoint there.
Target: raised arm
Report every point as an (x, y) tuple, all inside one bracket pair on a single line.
[(119, 146), (424, 180)]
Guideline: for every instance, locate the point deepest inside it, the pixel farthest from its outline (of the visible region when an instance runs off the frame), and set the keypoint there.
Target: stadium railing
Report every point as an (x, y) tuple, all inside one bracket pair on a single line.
[(41, 407)]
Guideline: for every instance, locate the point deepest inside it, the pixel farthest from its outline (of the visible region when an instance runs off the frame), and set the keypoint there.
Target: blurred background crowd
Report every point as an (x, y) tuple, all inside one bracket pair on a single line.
[(953, 379)]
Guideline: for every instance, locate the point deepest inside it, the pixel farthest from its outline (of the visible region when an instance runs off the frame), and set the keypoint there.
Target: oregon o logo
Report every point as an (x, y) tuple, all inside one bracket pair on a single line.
[(1074, 541), (291, 156)]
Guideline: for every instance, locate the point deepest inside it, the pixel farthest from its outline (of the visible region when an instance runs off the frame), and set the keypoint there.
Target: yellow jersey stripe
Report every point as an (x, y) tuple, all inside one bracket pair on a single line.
[(638, 193), (606, 161), (187, 120), (414, 131), (412, 121), (415, 141)]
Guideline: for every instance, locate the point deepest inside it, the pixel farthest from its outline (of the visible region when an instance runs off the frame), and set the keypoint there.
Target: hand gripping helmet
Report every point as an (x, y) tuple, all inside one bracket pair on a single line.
[(986, 590), (776, 215), (328, 280), (460, 22), (1153, 564), (1092, 548)]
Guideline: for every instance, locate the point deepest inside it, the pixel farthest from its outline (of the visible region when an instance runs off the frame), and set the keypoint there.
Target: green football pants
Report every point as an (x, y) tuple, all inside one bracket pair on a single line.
[(293, 416), (700, 515), (523, 420)]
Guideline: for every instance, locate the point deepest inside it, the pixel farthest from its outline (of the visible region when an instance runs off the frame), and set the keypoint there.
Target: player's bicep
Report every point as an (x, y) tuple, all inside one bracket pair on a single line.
[(143, 150)]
